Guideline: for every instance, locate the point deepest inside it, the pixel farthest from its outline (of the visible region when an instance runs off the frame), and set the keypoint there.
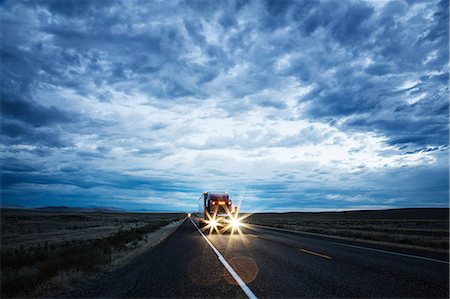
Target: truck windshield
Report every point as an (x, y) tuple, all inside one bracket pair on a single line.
[(219, 209), (219, 197)]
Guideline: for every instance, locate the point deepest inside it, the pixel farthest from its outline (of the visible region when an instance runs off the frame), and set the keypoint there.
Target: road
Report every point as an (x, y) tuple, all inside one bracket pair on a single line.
[(271, 264)]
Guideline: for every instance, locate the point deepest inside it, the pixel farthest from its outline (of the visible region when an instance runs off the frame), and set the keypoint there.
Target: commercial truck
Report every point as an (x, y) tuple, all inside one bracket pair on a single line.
[(215, 210)]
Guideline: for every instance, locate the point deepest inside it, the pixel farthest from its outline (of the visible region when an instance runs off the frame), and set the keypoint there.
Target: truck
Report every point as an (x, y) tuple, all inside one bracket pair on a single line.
[(215, 211)]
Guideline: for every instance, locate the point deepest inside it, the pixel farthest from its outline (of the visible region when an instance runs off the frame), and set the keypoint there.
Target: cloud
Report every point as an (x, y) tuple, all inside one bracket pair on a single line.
[(32, 113), (145, 104)]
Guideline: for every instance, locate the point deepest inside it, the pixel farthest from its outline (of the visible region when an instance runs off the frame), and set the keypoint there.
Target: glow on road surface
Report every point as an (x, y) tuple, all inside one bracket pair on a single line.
[(227, 266)]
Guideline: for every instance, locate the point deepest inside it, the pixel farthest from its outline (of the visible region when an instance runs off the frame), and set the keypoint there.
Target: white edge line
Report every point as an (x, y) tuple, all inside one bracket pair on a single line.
[(230, 270), (356, 246)]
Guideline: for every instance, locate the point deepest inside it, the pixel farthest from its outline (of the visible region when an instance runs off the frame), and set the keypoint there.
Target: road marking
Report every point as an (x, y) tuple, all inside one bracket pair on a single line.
[(354, 246), (316, 254), (230, 270)]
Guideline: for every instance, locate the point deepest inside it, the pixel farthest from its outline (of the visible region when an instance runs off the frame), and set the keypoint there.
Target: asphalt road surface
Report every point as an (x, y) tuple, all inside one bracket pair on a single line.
[(272, 264)]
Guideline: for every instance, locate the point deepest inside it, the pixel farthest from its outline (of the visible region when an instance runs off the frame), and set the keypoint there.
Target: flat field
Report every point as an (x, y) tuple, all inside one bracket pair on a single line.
[(423, 229), (42, 250)]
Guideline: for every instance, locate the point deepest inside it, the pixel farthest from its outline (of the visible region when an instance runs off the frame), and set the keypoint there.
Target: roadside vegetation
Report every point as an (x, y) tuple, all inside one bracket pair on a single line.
[(59, 249), (423, 229)]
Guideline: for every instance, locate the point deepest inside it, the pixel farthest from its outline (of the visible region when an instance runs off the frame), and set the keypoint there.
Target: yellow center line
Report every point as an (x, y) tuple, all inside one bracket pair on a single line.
[(252, 235), (316, 254)]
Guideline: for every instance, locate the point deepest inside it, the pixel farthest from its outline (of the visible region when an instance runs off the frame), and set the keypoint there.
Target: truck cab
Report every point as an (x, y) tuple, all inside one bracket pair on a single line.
[(215, 209)]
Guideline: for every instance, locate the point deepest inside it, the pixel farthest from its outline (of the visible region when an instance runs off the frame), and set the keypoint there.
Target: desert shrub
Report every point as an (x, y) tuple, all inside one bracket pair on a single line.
[(398, 232), (12, 284), (46, 263)]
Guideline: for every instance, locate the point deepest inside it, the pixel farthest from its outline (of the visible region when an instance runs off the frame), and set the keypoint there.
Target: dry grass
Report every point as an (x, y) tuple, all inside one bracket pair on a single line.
[(41, 249), (426, 229)]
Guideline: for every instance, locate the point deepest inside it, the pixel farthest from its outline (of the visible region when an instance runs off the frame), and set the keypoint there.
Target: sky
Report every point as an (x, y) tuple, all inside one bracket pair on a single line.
[(287, 105)]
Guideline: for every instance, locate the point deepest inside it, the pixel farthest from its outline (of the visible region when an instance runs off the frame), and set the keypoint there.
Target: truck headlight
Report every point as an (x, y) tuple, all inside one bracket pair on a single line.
[(235, 222)]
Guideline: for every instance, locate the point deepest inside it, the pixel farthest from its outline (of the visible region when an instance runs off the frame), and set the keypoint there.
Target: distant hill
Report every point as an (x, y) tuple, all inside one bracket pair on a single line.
[(88, 209), (406, 213), (65, 209)]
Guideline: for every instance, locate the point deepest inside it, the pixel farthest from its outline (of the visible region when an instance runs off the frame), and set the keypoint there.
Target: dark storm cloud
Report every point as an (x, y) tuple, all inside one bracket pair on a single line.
[(88, 180), (16, 165), (14, 132), (32, 113), (24, 121)]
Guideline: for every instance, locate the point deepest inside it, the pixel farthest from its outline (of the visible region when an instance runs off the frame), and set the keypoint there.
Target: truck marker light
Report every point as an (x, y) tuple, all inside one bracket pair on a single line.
[(221, 202)]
